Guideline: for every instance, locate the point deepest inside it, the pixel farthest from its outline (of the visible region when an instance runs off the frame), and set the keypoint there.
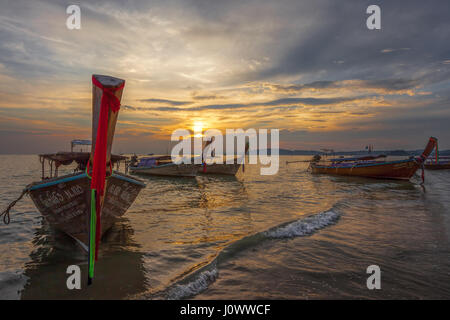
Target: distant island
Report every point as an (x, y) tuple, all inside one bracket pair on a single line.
[(287, 152)]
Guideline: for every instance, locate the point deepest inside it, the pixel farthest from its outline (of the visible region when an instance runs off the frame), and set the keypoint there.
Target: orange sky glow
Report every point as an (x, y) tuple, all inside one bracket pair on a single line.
[(221, 66)]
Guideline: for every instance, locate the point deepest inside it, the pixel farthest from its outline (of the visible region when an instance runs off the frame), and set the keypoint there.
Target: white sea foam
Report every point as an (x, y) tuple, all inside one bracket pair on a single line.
[(200, 282), (305, 226), (11, 285)]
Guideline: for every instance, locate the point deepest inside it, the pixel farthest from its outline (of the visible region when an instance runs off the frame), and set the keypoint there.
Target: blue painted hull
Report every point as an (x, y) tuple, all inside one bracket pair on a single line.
[(65, 202)]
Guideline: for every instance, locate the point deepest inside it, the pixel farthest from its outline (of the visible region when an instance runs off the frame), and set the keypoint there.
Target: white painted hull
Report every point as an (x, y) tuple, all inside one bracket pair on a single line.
[(173, 170), (226, 169)]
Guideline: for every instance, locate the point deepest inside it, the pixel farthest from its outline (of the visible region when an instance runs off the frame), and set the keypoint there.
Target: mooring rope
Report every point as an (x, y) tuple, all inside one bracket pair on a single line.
[(423, 172), (5, 213)]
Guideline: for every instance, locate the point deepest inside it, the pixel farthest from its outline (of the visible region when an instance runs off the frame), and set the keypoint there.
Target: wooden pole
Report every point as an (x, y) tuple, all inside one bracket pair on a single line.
[(97, 93), (108, 82), (42, 160)]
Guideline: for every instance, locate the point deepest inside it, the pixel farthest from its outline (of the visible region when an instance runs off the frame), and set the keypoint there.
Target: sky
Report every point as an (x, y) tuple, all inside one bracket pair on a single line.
[(311, 69)]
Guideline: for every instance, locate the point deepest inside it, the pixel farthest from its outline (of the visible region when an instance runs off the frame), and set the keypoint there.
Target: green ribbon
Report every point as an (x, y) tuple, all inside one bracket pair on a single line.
[(437, 153), (92, 227)]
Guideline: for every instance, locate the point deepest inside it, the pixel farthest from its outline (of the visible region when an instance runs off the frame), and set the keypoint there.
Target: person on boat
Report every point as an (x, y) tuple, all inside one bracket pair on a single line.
[(134, 160), (81, 166), (316, 158)]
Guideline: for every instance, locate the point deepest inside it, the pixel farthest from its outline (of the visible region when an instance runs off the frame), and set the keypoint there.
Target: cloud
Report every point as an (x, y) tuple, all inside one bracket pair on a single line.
[(389, 85), (206, 96), (293, 64), (234, 106), (389, 50), (165, 101)]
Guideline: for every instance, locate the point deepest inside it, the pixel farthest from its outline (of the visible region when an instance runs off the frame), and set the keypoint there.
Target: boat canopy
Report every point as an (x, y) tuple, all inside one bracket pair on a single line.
[(152, 161), (78, 142), (81, 142), (66, 158)]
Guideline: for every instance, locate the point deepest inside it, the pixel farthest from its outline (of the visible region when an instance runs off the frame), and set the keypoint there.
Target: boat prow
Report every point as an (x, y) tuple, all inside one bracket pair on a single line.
[(64, 202), (70, 202), (437, 162)]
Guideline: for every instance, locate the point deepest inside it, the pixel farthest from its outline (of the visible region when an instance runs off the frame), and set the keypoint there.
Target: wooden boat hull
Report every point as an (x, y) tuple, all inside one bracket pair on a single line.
[(172, 170), (402, 170), (216, 168), (437, 166), (65, 202)]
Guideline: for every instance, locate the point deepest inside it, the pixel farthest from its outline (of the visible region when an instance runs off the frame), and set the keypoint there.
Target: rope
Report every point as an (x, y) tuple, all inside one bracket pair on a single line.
[(423, 173), (5, 213), (92, 230), (90, 177)]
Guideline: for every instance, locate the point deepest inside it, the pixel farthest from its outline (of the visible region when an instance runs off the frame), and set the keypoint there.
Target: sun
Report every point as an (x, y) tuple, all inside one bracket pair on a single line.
[(198, 128)]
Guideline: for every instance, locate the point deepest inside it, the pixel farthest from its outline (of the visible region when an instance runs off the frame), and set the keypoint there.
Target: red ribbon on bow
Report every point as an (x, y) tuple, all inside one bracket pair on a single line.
[(109, 101)]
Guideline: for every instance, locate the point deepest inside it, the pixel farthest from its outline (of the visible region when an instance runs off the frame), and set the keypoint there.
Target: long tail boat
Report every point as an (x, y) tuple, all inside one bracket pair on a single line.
[(441, 164), (370, 167), (437, 162), (66, 201), (162, 166)]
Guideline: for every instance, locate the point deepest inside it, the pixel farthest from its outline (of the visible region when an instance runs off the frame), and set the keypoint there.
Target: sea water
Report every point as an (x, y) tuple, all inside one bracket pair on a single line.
[(293, 235)]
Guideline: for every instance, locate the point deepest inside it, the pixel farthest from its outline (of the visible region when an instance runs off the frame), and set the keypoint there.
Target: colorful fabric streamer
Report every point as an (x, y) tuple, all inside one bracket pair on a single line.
[(108, 101), (437, 153)]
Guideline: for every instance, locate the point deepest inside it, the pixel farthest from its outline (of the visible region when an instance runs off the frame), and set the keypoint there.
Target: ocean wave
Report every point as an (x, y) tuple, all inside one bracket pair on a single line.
[(199, 284), (305, 226), (11, 285), (200, 280)]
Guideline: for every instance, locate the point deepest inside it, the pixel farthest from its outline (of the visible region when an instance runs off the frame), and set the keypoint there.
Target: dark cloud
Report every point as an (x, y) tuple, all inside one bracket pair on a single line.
[(296, 102), (307, 101), (4, 133), (391, 85), (126, 107), (340, 34), (165, 101), (197, 96)]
